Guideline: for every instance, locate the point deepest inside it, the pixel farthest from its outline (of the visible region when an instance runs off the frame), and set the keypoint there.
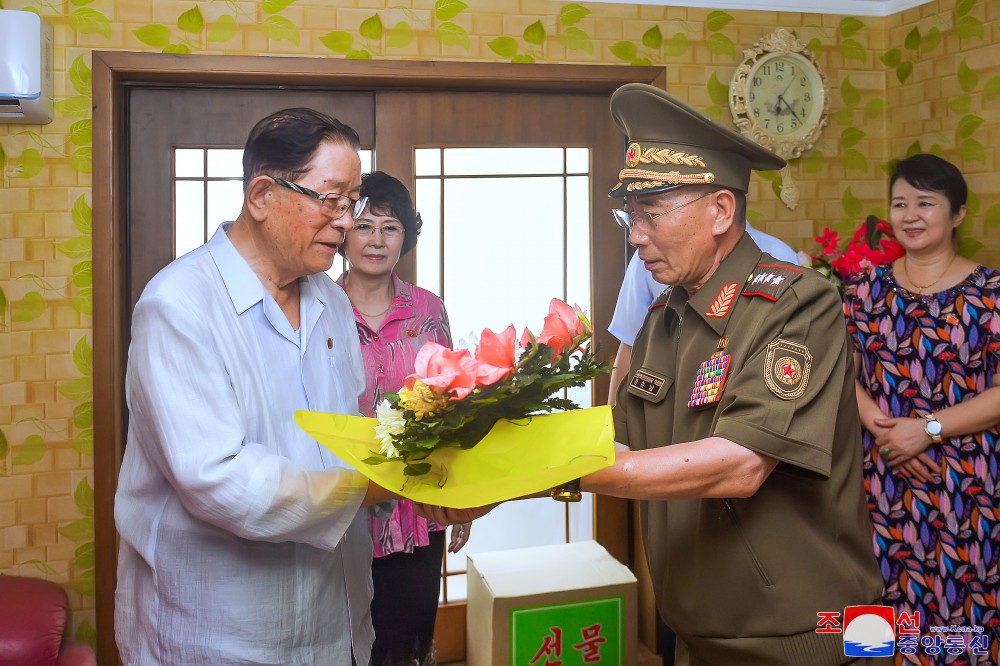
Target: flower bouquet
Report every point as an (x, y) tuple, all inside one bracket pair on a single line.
[(873, 244), (470, 427)]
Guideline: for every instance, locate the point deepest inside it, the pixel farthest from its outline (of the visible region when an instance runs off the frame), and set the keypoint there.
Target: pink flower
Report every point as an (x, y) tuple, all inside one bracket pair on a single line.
[(445, 370), (495, 356), (562, 326)]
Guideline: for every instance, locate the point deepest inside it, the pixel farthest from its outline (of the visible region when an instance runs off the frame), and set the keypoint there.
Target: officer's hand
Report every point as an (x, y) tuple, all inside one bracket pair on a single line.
[(443, 515)]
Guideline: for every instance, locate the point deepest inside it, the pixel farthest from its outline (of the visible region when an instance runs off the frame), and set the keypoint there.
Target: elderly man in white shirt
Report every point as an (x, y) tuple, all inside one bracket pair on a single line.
[(243, 541)]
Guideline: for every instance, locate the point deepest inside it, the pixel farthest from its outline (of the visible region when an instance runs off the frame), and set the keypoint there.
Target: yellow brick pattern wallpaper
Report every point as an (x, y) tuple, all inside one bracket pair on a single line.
[(924, 79)]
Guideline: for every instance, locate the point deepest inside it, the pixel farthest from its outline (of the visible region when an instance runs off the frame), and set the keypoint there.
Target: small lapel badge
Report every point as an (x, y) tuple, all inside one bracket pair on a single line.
[(711, 377), (329, 343)]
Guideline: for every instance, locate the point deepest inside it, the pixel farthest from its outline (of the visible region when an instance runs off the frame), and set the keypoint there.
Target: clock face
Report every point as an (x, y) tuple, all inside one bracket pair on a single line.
[(784, 95)]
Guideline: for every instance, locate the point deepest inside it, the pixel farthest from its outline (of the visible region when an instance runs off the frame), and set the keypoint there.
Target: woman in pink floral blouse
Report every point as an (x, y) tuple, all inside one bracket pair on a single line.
[(394, 319)]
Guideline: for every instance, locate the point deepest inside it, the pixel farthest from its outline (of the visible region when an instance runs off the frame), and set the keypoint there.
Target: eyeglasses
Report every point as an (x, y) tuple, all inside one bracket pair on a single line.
[(628, 219), (390, 230), (334, 205)]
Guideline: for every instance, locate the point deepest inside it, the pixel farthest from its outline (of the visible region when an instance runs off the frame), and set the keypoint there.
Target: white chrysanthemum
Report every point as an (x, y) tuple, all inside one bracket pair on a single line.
[(390, 422)]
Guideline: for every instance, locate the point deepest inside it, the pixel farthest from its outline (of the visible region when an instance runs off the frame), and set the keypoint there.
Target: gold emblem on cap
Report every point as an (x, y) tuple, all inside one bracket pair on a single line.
[(633, 155), (667, 156)]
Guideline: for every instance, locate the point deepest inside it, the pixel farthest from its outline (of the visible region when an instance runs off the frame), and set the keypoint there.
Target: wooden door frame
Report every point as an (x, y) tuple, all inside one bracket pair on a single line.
[(113, 73)]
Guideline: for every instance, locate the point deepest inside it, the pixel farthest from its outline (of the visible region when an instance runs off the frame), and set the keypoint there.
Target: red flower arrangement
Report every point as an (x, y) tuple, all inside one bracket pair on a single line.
[(873, 244)]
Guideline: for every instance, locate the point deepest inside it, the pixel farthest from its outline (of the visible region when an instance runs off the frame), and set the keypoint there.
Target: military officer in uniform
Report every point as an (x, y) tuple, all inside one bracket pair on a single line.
[(738, 416)]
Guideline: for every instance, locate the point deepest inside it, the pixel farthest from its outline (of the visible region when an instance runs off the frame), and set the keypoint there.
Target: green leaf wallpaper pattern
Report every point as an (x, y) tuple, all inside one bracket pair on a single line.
[(31, 450), (80, 388), (717, 20), (969, 27), (577, 40), (535, 33), (281, 29), (83, 415), (191, 21), (74, 107), (452, 34), (371, 28), (89, 21), (338, 41), (445, 10), (28, 165), (29, 308), (849, 93), (83, 357), (80, 76), (852, 49), (275, 6), (505, 47), (224, 29), (399, 35), (967, 77), (653, 38), (79, 530), (156, 35), (849, 26), (572, 14)]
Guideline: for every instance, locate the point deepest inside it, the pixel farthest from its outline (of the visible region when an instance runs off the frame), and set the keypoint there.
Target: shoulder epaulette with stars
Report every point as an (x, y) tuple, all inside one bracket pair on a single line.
[(771, 280)]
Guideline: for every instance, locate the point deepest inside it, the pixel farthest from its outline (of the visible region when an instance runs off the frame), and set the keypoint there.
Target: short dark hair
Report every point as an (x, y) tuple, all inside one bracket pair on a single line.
[(283, 143), (388, 196), (933, 174)]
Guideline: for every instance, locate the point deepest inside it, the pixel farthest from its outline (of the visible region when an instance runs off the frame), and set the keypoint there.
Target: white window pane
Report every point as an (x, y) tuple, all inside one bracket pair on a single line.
[(427, 161), (578, 242), (495, 161), (427, 199), (503, 263), (189, 163), (581, 519), (338, 268), (458, 586), (367, 156), (189, 227), (577, 160), (225, 163), (535, 522), (225, 200)]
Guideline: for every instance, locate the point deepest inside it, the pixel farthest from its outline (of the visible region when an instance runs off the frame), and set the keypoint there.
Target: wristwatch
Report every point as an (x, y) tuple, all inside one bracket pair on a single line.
[(933, 428)]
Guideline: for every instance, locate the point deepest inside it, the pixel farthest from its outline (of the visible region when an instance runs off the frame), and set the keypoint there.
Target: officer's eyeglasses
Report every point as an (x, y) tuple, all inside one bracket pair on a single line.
[(629, 219), (334, 205), (390, 230)]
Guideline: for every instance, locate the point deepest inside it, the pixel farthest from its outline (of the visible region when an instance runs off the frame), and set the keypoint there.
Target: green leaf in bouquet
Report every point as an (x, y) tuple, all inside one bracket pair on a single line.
[(417, 469)]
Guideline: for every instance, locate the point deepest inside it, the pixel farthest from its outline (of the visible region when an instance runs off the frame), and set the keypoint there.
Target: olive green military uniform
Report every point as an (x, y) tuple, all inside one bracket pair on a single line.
[(741, 580)]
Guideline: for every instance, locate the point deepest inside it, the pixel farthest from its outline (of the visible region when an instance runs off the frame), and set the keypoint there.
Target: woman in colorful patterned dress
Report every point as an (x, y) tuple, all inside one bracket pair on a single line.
[(927, 332), (394, 319)]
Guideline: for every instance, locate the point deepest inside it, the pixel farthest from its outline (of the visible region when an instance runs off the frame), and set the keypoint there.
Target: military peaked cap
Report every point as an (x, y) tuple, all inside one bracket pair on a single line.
[(671, 145)]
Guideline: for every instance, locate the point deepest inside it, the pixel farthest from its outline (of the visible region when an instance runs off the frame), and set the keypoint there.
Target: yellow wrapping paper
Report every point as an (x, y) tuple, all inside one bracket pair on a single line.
[(513, 460)]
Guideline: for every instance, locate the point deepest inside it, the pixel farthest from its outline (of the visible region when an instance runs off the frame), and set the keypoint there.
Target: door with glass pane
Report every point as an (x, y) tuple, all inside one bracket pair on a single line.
[(512, 189)]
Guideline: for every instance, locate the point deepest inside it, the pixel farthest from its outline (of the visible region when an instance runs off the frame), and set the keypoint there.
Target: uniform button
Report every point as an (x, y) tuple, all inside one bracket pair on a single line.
[(375, 337)]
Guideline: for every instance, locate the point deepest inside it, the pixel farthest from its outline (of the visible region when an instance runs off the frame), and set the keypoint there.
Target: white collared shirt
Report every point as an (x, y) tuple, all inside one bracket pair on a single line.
[(242, 538)]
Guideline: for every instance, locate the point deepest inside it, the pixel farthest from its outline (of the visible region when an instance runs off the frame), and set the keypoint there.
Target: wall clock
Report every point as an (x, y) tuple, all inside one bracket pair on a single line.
[(778, 97)]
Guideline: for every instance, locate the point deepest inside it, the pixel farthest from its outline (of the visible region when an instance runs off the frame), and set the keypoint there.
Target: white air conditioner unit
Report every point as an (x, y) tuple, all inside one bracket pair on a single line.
[(25, 68)]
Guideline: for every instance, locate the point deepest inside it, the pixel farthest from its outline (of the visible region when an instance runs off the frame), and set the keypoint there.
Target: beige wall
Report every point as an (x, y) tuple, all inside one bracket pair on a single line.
[(946, 103)]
